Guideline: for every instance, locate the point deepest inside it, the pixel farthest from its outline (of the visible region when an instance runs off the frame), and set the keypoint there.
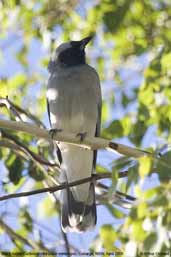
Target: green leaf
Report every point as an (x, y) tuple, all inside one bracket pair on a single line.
[(114, 178), (160, 200), (114, 130), (152, 192), (133, 214), (126, 125), (22, 56), (150, 241), (25, 219), (142, 210), (115, 211), (108, 236), (138, 132), (145, 166), (35, 172), (125, 100), (132, 176), (163, 166), (167, 219), (114, 183), (105, 111), (137, 230), (166, 62), (122, 163), (15, 167), (115, 14), (17, 80), (3, 87), (101, 169)]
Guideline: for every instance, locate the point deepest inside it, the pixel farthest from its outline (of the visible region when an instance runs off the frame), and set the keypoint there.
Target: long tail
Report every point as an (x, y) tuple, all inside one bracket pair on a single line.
[(78, 216)]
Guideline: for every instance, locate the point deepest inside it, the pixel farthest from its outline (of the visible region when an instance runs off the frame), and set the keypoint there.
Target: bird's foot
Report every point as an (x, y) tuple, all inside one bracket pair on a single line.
[(53, 132), (82, 136)]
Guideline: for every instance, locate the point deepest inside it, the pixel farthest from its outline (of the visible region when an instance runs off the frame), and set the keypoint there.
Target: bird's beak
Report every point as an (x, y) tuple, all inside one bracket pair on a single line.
[(85, 41)]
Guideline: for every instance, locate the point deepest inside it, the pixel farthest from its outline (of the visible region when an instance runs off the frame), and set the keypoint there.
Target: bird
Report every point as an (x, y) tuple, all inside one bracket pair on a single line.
[(74, 106)]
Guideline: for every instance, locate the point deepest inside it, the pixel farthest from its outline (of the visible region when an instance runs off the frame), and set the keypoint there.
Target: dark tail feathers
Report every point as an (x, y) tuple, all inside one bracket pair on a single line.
[(78, 216)]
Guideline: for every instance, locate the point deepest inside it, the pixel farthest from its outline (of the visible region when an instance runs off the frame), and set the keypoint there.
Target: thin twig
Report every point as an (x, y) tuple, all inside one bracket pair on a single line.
[(60, 187), (15, 236), (17, 111), (67, 245), (23, 147), (126, 196), (90, 143)]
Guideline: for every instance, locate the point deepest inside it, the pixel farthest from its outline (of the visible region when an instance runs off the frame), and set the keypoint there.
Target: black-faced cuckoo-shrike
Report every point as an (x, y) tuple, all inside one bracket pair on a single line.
[(74, 106)]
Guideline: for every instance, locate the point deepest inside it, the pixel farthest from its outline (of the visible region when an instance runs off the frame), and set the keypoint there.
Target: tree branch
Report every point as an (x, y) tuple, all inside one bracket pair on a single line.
[(63, 185), (90, 143)]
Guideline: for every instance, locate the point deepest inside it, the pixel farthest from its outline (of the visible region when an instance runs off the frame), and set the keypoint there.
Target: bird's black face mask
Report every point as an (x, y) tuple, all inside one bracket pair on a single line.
[(74, 55)]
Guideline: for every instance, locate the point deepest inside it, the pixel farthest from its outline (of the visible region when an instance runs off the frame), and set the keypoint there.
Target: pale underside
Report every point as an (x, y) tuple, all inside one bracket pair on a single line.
[(74, 96)]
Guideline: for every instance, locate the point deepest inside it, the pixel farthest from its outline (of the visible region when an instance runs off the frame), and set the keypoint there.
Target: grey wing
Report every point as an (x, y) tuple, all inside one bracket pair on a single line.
[(48, 110), (58, 151), (99, 106), (98, 125)]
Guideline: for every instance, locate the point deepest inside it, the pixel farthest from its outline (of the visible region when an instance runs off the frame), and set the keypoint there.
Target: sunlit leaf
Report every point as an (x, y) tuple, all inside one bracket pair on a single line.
[(108, 236), (145, 165), (142, 210), (137, 231), (166, 62)]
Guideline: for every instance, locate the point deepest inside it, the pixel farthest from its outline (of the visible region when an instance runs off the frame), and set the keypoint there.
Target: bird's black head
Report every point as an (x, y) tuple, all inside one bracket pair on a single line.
[(70, 54)]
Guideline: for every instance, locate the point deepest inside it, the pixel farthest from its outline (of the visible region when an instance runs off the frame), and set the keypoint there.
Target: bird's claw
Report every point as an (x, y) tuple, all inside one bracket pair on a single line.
[(53, 132), (82, 136)]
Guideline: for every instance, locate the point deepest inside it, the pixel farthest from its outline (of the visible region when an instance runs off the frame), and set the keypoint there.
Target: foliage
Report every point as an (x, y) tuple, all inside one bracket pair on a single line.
[(131, 52)]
